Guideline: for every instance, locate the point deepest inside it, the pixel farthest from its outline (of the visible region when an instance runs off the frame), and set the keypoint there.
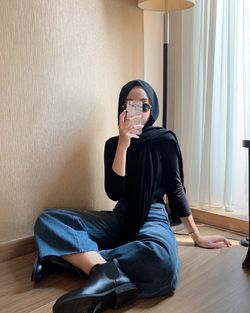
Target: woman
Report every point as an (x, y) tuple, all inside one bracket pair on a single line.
[(131, 251)]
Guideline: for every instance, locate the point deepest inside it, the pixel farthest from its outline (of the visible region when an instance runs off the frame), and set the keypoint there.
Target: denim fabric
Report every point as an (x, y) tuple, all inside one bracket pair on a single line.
[(150, 260)]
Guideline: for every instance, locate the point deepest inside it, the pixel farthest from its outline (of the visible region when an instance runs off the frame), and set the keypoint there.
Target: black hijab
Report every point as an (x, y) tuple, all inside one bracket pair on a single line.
[(151, 95), (143, 156)]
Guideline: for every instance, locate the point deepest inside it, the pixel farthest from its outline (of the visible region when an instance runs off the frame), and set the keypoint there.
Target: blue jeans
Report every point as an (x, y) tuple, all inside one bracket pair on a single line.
[(151, 260)]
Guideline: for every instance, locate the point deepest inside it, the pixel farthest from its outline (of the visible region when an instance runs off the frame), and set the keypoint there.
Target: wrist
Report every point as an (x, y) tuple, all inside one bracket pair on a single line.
[(195, 235), (122, 146)]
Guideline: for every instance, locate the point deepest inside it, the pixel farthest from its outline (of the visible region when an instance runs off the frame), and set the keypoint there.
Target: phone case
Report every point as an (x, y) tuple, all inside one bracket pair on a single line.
[(134, 108)]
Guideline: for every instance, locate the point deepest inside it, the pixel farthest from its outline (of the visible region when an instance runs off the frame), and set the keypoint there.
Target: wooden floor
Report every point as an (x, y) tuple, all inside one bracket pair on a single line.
[(212, 281)]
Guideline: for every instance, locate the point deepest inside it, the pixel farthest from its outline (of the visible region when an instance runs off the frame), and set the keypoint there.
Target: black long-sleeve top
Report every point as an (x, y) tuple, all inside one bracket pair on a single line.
[(167, 180)]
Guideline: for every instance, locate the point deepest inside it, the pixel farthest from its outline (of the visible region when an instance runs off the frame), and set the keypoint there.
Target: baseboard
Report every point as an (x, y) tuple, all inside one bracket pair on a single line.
[(221, 221), (16, 247)]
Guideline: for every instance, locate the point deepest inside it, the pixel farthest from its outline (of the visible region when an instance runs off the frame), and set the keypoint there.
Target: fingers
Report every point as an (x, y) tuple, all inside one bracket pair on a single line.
[(219, 245), (213, 242), (122, 117), (134, 125), (226, 242), (134, 136), (221, 242), (130, 122), (129, 127)]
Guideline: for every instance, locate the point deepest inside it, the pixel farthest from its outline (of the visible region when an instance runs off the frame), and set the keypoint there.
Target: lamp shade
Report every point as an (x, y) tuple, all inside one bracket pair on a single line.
[(165, 5)]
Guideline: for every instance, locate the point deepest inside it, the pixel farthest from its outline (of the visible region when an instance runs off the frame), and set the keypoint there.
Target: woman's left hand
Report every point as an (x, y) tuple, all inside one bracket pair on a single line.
[(212, 241)]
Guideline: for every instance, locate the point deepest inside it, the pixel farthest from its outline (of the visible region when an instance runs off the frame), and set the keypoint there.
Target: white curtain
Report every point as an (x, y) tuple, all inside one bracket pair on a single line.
[(212, 101)]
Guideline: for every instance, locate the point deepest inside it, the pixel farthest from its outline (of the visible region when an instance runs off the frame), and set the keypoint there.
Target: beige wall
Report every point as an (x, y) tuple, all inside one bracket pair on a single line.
[(62, 64)]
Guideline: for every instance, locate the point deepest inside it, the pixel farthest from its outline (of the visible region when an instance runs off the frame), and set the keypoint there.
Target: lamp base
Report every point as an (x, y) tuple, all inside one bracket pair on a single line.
[(246, 262)]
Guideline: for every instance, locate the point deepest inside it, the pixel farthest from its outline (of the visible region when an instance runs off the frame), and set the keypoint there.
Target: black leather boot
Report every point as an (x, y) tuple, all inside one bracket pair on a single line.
[(42, 268), (107, 287)]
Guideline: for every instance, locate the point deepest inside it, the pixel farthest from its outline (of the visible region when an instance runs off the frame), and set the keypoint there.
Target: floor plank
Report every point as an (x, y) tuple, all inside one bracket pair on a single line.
[(211, 281)]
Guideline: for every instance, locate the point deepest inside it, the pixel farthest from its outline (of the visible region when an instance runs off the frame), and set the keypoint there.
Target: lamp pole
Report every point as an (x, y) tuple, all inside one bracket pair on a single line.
[(165, 71), (165, 6), (246, 144)]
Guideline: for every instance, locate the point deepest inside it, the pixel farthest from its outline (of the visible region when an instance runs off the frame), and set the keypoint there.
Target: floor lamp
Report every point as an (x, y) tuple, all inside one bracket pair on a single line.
[(165, 6), (246, 144)]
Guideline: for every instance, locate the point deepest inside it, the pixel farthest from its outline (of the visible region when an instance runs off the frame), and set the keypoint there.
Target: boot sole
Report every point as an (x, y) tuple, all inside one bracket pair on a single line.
[(97, 303)]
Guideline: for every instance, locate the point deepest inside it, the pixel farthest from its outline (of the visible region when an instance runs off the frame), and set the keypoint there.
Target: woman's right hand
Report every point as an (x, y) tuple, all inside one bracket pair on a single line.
[(126, 131)]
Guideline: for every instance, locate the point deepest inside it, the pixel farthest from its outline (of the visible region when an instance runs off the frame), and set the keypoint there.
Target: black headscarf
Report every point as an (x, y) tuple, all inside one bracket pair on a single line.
[(151, 95), (143, 157)]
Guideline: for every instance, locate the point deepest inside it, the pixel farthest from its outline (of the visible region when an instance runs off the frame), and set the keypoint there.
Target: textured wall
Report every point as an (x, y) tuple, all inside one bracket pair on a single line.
[(62, 64)]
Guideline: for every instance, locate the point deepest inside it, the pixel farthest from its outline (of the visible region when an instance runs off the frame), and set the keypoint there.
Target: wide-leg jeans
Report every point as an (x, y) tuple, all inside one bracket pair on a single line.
[(151, 260)]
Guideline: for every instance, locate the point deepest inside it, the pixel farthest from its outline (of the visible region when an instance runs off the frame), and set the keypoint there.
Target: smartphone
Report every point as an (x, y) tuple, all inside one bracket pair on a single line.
[(134, 108)]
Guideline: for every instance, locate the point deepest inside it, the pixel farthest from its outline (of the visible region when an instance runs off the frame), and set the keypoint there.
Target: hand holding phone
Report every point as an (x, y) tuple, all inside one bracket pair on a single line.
[(134, 112)]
